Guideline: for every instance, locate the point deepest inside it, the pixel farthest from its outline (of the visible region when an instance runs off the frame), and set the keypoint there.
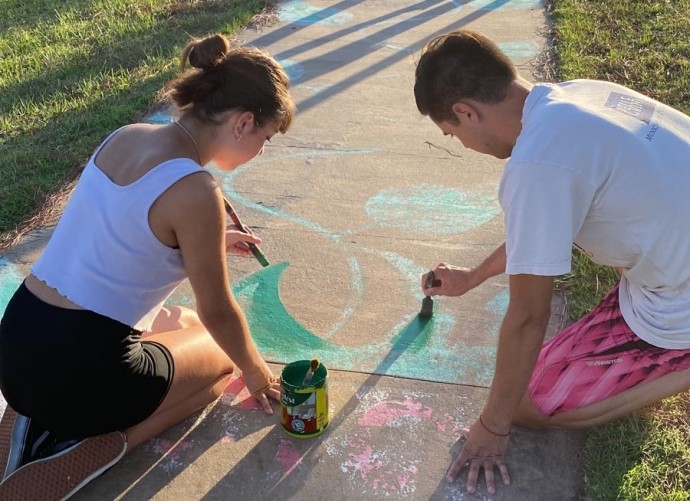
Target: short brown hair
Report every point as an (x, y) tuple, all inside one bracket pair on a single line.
[(459, 65), (228, 78)]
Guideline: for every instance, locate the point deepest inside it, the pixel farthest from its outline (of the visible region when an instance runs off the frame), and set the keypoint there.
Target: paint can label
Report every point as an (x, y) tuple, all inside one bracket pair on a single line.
[(304, 407)]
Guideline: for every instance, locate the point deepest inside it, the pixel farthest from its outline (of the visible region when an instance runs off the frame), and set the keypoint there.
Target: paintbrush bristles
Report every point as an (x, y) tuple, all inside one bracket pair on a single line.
[(427, 307), (310, 373), (428, 303)]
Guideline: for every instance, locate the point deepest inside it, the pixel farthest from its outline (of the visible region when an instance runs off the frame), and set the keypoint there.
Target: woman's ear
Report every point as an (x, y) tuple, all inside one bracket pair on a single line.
[(244, 123)]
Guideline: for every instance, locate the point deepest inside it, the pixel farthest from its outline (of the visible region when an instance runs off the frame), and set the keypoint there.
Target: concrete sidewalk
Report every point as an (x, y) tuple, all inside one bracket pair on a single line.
[(360, 198)]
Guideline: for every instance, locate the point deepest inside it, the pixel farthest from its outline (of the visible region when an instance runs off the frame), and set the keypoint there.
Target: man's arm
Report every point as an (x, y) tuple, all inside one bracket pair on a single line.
[(521, 337)]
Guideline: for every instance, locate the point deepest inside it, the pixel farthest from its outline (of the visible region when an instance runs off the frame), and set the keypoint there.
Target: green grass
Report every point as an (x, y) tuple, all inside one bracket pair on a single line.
[(74, 70), (643, 44)]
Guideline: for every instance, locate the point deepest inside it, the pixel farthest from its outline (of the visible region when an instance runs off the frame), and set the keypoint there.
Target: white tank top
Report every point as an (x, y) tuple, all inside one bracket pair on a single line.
[(103, 255)]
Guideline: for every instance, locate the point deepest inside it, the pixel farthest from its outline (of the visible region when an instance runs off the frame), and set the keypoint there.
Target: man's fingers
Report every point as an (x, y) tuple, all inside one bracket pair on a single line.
[(503, 468), (456, 466), (473, 475), (465, 432), (489, 476)]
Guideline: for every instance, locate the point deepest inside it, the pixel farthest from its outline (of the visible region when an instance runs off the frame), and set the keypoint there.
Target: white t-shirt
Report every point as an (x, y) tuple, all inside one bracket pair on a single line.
[(607, 169)]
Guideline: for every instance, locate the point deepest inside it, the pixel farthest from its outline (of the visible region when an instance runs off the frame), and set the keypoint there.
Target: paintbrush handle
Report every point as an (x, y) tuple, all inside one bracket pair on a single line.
[(260, 256), (430, 280)]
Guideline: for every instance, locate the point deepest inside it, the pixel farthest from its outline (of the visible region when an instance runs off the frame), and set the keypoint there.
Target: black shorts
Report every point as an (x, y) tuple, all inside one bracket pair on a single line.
[(78, 373)]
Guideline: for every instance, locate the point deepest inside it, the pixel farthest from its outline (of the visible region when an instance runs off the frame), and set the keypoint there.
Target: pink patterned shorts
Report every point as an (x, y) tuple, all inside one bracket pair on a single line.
[(596, 358)]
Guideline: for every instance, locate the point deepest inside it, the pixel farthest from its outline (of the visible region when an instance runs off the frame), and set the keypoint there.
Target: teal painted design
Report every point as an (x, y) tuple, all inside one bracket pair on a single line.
[(521, 50), (417, 348), (304, 14), (504, 5), (277, 334), (10, 279), (431, 210)]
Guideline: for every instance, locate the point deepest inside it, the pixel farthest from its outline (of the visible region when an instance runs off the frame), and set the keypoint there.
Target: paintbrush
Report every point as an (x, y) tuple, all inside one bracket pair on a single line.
[(260, 256), (310, 373), (428, 303)]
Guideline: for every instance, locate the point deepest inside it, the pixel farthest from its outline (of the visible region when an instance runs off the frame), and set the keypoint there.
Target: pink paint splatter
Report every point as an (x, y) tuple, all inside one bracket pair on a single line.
[(169, 448), (238, 390), (161, 446), (447, 422), (288, 456), (406, 480), (363, 463), (385, 413)]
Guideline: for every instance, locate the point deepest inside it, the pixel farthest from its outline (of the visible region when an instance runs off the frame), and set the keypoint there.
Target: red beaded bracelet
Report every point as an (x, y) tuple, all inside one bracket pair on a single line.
[(490, 430)]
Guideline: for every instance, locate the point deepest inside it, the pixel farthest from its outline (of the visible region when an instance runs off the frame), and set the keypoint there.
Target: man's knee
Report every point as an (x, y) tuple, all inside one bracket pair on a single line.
[(529, 416)]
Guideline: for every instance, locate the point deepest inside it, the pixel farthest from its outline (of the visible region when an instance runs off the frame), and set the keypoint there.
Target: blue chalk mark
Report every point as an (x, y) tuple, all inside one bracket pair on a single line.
[(10, 280), (506, 5), (499, 303), (498, 306), (304, 14), (358, 288), (407, 268), (294, 70), (526, 49), (431, 210)]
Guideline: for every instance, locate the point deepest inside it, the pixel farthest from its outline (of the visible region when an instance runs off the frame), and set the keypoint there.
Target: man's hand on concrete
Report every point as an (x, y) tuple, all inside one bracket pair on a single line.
[(483, 449)]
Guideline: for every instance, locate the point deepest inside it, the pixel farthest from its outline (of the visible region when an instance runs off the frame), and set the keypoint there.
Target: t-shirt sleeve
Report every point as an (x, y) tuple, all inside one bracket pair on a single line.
[(545, 207)]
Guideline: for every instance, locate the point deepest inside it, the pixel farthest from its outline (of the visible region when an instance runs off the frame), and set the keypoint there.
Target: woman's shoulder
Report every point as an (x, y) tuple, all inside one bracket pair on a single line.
[(194, 192)]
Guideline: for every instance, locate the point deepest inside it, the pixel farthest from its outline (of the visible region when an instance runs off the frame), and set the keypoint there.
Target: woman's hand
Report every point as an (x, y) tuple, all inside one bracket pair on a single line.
[(262, 384), (236, 241)]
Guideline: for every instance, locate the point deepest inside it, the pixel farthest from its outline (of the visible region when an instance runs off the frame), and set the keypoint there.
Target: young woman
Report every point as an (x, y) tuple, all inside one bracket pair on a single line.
[(92, 363)]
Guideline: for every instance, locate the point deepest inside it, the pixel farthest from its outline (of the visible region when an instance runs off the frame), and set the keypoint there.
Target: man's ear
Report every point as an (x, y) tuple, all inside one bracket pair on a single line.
[(464, 111)]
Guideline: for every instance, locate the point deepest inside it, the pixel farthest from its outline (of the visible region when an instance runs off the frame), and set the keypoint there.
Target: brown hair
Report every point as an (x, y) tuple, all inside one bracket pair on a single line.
[(228, 78), (459, 65)]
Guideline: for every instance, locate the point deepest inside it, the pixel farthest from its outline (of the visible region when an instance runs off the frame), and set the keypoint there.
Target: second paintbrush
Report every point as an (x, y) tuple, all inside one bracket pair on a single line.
[(260, 256)]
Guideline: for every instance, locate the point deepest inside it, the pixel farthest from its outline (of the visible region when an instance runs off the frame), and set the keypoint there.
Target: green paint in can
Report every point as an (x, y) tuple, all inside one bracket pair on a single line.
[(304, 404)]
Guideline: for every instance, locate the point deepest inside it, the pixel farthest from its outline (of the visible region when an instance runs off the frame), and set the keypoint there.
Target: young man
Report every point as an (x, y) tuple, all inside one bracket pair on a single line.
[(592, 164)]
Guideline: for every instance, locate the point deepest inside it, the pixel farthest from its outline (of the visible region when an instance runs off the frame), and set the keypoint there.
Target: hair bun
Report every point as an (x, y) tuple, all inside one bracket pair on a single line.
[(208, 52)]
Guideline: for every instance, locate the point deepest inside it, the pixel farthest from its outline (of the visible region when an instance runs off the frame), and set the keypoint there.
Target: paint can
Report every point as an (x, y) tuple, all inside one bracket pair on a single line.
[(304, 406)]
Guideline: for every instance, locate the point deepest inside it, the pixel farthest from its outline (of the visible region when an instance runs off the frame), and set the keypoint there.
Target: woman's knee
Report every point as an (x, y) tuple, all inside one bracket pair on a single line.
[(218, 388)]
